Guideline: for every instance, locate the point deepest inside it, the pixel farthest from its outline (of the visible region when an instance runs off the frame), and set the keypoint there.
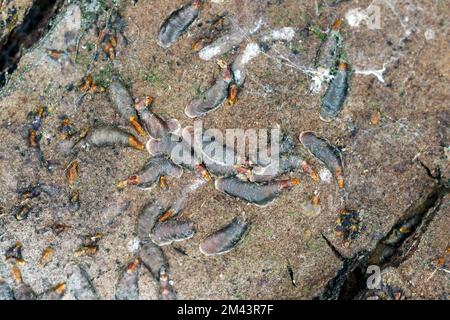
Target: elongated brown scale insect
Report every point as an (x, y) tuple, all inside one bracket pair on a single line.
[(157, 167), (32, 139), (258, 194), (108, 47), (326, 153), (56, 54), (238, 67), (284, 145), (166, 289), (224, 239), (87, 250), (21, 211), (208, 147), (155, 126), (163, 184), (329, 50), (72, 172), (164, 233), (124, 105), (107, 136), (233, 91), (164, 145), (5, 291), (177, 23), (315, 200), (153, 258), (16, 274), (127, 285), (197, 45), (334, 97), (212, 98), (147, 219), (47, 256), (55, 293), (79, 283), (203, 171)]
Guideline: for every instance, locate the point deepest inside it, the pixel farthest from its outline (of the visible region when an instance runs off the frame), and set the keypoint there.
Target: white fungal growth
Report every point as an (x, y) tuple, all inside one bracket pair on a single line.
[(257, 26), (209, 52), (325, 175), (251, 51), (377, 73), (133, 245), (356, 16), (318, 77), (286, 34)]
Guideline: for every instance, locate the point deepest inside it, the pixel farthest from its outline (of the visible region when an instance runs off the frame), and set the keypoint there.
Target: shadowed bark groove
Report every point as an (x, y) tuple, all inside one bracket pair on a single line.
[(396, 247)]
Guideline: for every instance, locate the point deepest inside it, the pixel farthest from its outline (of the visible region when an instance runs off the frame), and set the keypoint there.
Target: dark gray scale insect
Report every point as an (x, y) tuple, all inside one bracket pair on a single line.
[(258, 194), (178, 148), (106, 136), (329, 50), (334, 97), (285, 164), (24, 292), (79, 283), (164, 233), (166, 289), (326, 153), (221, 170), (265, 158), (153, 259), (155, 126), (219, 159), (224, 239), (157, 167), (127, 286), (212, 98), (214, 151), (177, 23), (147, 219), (184, 153), (121, 99), (5, 291), (124, 105)]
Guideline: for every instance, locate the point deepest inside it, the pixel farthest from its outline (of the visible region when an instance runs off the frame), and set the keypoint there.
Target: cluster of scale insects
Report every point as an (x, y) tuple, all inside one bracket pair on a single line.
[(254, 181)]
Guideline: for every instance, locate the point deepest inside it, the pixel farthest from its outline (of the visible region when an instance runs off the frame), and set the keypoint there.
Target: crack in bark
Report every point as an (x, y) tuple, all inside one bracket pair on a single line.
[(24, 36)]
